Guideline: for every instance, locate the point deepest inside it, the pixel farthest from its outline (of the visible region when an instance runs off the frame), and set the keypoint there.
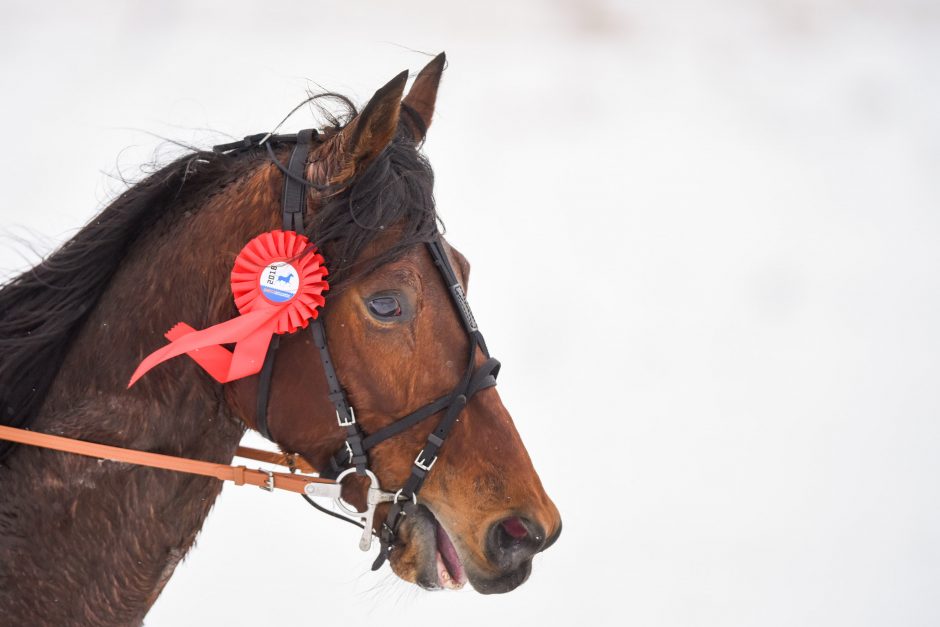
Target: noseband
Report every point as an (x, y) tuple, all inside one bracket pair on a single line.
[(353, 457)]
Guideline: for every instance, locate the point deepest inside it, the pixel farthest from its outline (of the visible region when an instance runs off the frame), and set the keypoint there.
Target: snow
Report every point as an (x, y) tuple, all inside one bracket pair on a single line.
[(704, 246)]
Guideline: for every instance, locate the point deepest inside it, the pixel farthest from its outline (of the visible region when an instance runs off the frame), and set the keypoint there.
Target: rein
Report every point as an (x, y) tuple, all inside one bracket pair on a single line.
[(239, 475), (352, 458)]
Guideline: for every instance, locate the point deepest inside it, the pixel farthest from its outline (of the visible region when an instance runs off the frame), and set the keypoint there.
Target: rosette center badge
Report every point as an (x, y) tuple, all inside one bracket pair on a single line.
[(279, 282)]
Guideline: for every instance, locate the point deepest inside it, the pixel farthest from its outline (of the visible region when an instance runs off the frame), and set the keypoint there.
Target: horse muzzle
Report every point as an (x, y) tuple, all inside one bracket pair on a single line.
[(434, 559)]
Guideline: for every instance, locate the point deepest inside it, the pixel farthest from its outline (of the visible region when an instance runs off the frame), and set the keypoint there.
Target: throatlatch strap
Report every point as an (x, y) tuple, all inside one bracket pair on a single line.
[(293, 208), (264, 388)]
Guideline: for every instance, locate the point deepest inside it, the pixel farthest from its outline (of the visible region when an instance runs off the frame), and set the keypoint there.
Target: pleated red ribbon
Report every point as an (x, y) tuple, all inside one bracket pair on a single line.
[(278, 283)]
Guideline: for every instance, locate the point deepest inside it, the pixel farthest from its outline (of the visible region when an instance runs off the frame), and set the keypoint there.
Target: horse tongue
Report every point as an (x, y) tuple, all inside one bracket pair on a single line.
[(450, 558)]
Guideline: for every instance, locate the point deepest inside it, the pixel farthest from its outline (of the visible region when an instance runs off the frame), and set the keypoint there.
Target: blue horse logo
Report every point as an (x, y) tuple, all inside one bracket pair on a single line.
[(286, 279)]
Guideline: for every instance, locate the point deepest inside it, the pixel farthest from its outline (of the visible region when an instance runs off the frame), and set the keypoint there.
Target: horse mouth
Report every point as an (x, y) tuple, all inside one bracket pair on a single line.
[(450, 570), (437, 564)]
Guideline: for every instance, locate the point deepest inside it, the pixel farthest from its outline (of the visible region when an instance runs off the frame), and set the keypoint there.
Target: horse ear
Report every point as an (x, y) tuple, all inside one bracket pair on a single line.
[(422, 96), (367, 135)]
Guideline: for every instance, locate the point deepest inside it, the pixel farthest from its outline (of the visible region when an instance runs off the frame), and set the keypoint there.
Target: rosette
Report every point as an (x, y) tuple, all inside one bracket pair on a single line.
[(278, 282)]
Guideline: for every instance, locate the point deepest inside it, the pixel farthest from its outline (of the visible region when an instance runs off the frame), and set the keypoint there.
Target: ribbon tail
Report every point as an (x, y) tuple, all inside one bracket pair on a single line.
[(233, 330), (223, 365), (250, 352), (215, 360)]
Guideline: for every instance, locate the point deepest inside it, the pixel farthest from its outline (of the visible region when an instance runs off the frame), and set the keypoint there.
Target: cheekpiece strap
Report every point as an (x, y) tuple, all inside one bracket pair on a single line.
[(354, 453)]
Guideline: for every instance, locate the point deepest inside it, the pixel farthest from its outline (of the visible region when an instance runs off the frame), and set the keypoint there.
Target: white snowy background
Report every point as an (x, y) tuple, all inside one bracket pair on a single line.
[(704, 245)]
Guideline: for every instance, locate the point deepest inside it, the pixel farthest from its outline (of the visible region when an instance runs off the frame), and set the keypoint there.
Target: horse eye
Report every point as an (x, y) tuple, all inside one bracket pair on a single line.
[(385, 307)]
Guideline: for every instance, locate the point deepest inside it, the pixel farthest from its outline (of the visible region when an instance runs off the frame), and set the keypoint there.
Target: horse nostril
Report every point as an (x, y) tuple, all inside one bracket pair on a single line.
[(515, 527), (514, 540)]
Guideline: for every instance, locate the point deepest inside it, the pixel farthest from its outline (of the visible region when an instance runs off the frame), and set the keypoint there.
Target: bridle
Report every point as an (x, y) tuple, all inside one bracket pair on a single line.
[(353, 457)]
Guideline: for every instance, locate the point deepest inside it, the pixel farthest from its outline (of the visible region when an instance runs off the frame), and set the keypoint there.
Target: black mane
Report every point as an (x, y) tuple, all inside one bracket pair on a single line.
[(42, 309)]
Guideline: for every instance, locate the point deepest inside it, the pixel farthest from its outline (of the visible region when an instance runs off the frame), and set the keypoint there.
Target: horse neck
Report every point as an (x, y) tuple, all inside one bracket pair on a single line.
[(93, 541)]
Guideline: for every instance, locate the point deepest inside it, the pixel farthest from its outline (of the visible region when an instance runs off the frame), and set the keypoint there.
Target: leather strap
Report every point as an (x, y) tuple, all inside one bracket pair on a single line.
[(293, 208), (264, 388), (488, 379), (240, 475), (345, 416), (294, 200), (251, 142), (288, 460)]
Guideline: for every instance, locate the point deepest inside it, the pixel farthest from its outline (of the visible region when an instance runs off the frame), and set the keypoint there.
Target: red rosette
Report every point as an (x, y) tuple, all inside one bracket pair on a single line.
[(283, 250), (278, 282)]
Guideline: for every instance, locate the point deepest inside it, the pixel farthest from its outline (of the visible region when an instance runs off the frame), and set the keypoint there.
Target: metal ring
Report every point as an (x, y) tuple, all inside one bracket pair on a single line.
[(414, 497), (371, 475), (339, 502)]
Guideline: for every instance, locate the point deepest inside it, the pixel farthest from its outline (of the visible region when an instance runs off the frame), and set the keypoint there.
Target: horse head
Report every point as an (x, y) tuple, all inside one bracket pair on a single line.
[(398, 343)]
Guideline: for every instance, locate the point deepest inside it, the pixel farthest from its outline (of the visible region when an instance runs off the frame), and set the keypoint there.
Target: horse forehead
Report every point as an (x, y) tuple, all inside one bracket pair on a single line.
[(416, 266), (407, 270)]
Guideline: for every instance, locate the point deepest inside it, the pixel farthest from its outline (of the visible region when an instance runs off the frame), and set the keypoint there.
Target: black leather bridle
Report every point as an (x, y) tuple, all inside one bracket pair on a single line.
[(353, 456)]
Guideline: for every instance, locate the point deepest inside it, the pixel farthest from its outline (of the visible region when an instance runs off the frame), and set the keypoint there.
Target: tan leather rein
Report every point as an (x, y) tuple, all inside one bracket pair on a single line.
[(239, 475)]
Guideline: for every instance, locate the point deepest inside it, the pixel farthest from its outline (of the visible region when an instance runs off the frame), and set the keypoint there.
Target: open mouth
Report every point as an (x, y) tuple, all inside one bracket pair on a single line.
[(428, 556), (434, 558), (450, 571)]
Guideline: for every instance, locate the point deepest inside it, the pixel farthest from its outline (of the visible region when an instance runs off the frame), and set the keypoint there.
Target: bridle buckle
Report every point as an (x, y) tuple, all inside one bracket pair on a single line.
[(423, 464), (268, 482), (346, 423)]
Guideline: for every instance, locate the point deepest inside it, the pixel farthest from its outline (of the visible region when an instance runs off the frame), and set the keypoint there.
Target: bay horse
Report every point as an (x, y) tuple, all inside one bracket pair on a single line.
[(89, 541)]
